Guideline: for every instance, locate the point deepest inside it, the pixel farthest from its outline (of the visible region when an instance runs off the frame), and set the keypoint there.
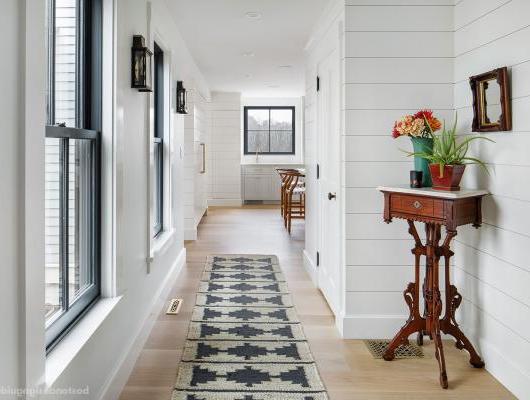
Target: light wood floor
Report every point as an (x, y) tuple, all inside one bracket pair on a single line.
[(347, 368)]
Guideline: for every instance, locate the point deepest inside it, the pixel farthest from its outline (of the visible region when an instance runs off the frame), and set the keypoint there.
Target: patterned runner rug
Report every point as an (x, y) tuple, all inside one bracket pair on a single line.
[(245, 341)]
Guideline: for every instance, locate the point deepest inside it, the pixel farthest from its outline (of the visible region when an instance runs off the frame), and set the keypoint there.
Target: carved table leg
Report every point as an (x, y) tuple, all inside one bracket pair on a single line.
[(453, 299), (415, 322), (423, 332), (433, 297), (426, 305)]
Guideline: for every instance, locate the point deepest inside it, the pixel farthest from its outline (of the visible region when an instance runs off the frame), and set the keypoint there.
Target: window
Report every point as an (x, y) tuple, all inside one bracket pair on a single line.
[(158, 141), (269, 130), (72, 149)]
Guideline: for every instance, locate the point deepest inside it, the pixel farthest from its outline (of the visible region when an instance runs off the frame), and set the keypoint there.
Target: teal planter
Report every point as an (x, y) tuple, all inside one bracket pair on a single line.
[(421, 164)]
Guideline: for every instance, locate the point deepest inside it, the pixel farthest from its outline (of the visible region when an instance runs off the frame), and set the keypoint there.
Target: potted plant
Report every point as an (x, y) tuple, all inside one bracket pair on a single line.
[(448, 158), (419, 127)]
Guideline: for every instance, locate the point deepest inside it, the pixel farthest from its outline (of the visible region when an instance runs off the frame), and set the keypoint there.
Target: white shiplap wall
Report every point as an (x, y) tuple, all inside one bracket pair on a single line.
[(399, 58), (402, 55), (224, 150), (492, 266)]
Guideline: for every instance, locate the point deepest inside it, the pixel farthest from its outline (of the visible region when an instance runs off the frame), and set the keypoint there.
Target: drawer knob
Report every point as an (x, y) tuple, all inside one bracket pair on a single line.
[(417, 205)]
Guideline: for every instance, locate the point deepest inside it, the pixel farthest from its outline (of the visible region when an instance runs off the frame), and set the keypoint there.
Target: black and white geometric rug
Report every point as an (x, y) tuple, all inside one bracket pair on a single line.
[(245, 341)]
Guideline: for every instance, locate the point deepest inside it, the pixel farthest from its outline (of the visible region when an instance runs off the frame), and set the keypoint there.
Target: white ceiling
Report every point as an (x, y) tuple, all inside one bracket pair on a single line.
[(241, 54)]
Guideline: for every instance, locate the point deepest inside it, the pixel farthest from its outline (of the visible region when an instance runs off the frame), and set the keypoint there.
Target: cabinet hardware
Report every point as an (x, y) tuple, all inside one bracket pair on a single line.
[(203, 170)]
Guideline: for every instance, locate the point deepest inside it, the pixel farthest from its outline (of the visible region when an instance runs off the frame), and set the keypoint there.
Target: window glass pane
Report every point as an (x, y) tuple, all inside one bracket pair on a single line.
[(158, 201), (66, 54), (53, 274), (258, 141), (159, 92), (281, 120), (281, 141), (80, 218), (258, 119), (158, 187)]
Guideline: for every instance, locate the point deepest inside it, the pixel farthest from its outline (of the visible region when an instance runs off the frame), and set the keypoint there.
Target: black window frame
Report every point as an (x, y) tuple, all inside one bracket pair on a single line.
[(269, 108), (88, 128), (158, 138)]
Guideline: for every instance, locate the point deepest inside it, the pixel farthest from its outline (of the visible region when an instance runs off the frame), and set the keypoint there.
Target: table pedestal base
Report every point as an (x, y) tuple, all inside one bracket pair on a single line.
[(431, 323)]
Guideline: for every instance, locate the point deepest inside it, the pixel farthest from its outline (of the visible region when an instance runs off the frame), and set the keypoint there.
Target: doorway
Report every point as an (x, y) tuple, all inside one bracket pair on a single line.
[(329, 183)]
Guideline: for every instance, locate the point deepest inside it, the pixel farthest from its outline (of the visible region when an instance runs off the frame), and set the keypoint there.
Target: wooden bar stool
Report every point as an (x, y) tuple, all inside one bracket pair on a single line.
[(294, 207), (285, 174)]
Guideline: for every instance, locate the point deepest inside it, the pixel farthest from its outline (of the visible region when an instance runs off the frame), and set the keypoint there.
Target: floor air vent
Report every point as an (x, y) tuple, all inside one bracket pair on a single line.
[(174, 306), (377, 349)]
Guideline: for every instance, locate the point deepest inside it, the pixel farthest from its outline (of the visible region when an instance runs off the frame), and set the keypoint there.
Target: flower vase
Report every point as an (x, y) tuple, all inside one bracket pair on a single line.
[(423, 145)]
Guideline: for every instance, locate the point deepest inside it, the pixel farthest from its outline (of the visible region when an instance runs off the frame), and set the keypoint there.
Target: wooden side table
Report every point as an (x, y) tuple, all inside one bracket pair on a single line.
[(434, 209)]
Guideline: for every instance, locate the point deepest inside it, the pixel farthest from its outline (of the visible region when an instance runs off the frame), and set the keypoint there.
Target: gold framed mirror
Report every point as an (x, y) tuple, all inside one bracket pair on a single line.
[(491, 101)]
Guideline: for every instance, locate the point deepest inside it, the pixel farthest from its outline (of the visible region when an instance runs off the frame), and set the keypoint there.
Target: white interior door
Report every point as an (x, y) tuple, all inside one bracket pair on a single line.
[(328, 117)]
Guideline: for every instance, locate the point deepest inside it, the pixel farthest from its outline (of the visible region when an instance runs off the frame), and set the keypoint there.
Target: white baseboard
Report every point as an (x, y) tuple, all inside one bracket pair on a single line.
[(310, 268), (367, 326), (225, 202), (190, 234), (114, 385), (503, 369), (370, 326)]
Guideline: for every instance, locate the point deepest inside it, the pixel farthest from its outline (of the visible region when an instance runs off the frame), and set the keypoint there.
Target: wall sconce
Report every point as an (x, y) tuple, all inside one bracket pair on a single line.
[(182, 98), (141, 70)]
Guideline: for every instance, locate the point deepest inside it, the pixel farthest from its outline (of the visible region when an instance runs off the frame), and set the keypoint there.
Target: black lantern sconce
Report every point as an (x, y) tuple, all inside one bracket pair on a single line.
[(182, 98), (141, 71)]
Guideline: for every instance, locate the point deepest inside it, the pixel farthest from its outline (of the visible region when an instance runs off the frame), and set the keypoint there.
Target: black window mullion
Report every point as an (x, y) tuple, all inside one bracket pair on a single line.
[(79, 66), (269, 130), (51, 64), (64, 186)]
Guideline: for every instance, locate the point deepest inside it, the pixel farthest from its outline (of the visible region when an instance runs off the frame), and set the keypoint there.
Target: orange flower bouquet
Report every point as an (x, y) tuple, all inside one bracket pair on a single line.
[(420, 125)]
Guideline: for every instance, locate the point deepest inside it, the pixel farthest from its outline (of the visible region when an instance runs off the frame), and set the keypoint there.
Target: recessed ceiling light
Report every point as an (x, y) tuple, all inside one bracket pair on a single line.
[(253, 15), (248, 54), (286, 66)]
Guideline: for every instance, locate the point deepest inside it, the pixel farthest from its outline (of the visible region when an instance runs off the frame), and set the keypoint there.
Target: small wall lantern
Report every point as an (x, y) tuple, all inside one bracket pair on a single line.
[(182, 98), (141, 69)]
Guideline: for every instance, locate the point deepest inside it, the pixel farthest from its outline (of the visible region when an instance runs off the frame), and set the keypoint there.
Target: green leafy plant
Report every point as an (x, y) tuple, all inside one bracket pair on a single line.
[(448, 150)]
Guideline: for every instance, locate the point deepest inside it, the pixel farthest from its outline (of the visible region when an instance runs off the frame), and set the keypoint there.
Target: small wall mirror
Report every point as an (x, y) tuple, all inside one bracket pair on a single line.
[(491, 101)]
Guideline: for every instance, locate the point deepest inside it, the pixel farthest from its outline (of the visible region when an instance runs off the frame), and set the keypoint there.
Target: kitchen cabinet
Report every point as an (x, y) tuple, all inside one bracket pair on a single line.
[(261, 182)]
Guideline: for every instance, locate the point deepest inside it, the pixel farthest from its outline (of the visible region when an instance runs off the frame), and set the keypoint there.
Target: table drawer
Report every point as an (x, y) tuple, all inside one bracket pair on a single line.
[(418, 205)]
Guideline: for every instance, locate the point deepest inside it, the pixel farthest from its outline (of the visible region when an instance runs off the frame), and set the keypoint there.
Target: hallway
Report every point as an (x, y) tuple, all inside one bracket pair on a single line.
[(146, 140), (346, 367)]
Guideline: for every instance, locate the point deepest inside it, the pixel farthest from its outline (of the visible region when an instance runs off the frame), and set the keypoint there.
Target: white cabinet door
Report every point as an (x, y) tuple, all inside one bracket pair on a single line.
[(274, 187), (200, 194), (261, 183), (256, 187)]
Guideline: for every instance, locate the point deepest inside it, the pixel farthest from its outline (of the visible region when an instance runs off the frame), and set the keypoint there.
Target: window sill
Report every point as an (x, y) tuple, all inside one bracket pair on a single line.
[(62, 355), (161, 243)]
